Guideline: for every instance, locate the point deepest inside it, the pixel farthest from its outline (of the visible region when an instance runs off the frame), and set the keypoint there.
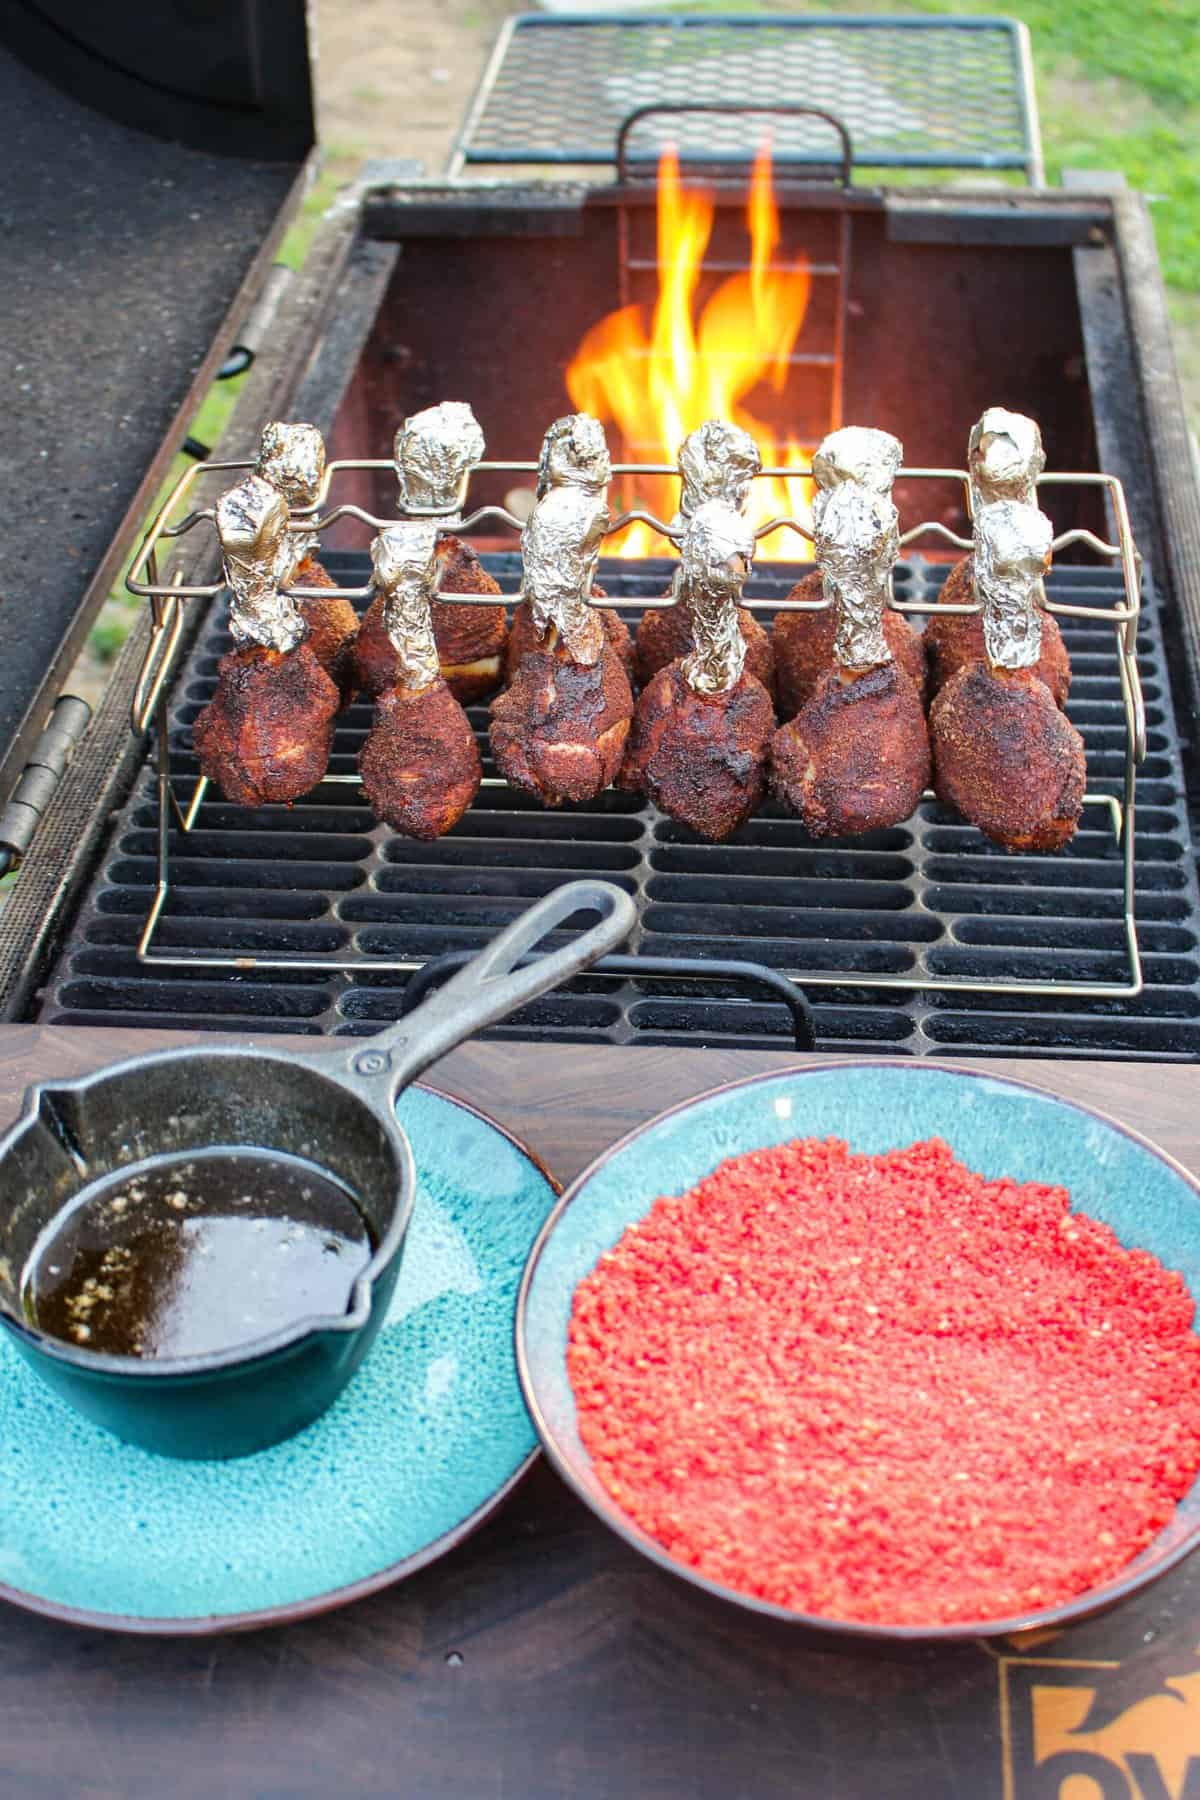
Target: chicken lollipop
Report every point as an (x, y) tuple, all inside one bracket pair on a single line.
[(434, 451), (420, 763), (716, 462), (856, 756), (266, 734), (559, 730), (292, 459), (574, 454), (804, 640), (1003, 753), (1004, 459), (703, 726)]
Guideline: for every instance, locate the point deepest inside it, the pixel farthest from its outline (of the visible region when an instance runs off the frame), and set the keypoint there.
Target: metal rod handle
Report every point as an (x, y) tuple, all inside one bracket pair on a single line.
[(740, 109), (497, 981)]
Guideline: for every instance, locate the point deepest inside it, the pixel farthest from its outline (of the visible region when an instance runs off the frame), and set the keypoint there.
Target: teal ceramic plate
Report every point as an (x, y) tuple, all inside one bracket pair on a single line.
[(997, 1126), (425, 1442)]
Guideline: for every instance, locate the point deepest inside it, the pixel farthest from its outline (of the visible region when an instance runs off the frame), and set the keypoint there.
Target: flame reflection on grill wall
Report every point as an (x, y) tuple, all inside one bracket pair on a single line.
[(657, 378)]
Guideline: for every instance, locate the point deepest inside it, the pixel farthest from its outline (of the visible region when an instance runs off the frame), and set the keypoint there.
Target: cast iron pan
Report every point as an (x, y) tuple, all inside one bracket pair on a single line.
[(334, 1109)]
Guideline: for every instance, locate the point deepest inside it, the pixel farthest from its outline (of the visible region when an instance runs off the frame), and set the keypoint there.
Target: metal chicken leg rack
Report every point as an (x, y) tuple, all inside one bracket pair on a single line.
[(167, 599)]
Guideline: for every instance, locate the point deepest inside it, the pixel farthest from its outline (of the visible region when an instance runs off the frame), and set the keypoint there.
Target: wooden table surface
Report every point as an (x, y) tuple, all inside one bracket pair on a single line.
[(545, 1657)]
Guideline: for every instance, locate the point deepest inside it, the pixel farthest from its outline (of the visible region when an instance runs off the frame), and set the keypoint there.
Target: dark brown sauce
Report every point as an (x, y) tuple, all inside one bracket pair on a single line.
[(180, 1255)]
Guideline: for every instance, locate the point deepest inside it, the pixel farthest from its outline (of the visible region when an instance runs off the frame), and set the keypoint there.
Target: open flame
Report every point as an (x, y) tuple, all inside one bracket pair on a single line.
[(657, 385)]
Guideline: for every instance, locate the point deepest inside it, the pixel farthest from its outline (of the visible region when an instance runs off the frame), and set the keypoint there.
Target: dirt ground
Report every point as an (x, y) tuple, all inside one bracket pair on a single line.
[(394, 77)]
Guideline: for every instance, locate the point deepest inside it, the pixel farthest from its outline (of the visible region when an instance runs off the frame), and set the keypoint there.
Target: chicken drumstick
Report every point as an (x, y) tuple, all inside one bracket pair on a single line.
[(1003, 752), (856, 756), (717, 461), (292, 459), (559, 730), (574, 454), (703, 726), (1004, 459), (804, 640), (265, 735), (433, 452), (420, 763)]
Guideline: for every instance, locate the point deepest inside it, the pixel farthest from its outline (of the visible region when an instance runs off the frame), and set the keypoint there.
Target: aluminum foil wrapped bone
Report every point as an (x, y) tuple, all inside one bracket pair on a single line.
[(404, 561), (717, 461), (261, 557), (857, 454), (716, 555), (292, 459), (560, 547), (1012, 554), (1004, 458), (857, 543), (434, 450), (574, 454)]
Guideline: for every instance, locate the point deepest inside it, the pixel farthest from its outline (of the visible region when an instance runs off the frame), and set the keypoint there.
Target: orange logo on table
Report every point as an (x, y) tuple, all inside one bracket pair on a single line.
[(1101, 1730)]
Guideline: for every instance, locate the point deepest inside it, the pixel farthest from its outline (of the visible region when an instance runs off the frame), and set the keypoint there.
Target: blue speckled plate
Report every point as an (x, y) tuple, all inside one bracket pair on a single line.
[(996, 1126), (427, 1439)]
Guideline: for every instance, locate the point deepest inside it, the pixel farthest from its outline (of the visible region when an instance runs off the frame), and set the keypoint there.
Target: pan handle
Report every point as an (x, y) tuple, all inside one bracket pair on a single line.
[(491, 985)]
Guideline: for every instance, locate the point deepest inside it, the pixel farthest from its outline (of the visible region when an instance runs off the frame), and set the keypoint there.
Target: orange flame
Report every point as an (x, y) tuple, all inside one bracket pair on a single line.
[(657, 386)]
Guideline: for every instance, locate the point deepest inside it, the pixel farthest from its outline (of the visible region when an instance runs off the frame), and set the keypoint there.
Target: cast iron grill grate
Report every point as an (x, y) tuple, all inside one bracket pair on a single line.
[(931, 896)]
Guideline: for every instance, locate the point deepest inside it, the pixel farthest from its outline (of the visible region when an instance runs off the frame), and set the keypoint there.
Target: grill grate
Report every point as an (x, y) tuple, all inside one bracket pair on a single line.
[(931, 896), (912, 92)]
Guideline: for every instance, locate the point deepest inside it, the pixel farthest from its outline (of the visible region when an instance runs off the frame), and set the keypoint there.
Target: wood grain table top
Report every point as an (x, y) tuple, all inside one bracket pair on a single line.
[(544, 1656)]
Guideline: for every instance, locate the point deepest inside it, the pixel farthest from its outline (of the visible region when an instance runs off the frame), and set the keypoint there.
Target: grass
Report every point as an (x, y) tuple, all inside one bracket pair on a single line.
[(1118, 88)]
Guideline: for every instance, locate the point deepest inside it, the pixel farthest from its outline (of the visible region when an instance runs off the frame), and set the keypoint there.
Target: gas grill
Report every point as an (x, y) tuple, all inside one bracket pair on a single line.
[(934, 304)]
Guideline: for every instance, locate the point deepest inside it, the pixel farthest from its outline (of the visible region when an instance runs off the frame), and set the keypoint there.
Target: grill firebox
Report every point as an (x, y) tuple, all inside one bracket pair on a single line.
[(953, 302)]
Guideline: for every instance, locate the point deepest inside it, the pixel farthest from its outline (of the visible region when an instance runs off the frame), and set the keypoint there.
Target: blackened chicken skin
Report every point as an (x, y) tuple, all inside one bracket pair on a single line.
[(665, 634), (265, 736), (1004, 754), (559, 730), (1005, 458), (716, 461), (523, 637), (700, 757), (953, 642), (702, 729), (420, 763), (470, 639), (1006, 757), (803, 643), (291, 459), (856, 756), (332, 627)]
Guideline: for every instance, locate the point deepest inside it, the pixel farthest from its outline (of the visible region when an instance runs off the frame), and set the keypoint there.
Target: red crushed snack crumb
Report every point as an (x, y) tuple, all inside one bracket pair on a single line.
[(886, 1389)]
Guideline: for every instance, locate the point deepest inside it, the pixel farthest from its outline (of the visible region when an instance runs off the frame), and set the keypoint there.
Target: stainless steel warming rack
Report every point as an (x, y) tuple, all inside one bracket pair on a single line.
[(167, 598)]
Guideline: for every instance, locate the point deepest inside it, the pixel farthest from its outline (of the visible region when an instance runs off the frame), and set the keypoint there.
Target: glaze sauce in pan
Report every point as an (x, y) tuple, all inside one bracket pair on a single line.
[(183, 1254)]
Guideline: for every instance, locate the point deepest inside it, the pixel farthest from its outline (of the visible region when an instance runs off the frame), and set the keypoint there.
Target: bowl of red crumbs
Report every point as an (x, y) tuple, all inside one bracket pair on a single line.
[(893, 1350)]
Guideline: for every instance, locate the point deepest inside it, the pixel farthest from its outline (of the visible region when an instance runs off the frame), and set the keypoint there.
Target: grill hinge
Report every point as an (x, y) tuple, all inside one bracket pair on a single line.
[(40, 777)]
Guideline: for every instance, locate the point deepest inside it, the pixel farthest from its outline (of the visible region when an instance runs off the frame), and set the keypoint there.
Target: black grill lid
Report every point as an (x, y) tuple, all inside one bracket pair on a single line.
[(122, 256)]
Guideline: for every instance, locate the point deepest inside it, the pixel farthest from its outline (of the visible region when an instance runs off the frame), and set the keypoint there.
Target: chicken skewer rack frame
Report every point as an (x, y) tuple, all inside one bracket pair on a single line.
[(168, 598)]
